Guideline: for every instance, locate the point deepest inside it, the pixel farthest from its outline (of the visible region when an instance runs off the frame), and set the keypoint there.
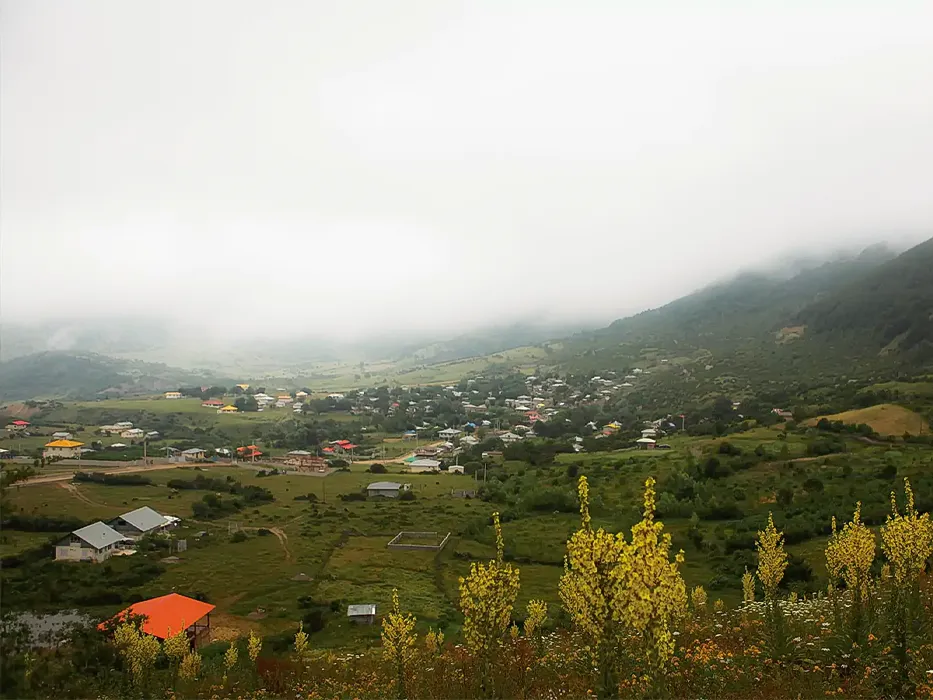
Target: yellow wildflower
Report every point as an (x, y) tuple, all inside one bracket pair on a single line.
[(176, 646), (398, 642), (301, 642), (907, 539), (487, 595), (748, 586), (536, 615), (772, 559), (850, 553), (190, 666), (698, 598), (231, 656), (254, 646)]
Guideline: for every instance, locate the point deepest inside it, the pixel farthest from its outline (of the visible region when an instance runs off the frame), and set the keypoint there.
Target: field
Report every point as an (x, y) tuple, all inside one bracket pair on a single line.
[(885, 419), (310, 552)]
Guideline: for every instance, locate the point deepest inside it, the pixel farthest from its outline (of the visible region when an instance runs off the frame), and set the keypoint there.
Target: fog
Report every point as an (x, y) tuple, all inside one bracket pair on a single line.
[(364, 166)]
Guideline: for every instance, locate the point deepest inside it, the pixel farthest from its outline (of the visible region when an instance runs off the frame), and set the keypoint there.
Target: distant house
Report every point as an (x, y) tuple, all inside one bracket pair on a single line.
[(469, 441), (424, 465), (193, 455), (61, 436), (123, 425), (781, 413), (167, 614), (386, 489), (649, 433), (250, 452), (301, 394), (133, 433), (212, 403), (95, 542), (645, 443), (153, 435), (18, 425), (455, 469), (508, 438), (173, 394), (142, 521), (361, 614), (448, 433), (66, 449), (228, 409)]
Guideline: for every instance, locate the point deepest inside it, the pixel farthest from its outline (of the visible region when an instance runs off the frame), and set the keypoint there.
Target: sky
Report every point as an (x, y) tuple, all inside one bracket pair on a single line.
[(365, 166)]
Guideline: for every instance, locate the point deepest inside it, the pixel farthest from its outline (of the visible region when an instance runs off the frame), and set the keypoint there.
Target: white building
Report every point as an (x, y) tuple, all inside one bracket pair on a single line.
[(95, 542), (386, 489)]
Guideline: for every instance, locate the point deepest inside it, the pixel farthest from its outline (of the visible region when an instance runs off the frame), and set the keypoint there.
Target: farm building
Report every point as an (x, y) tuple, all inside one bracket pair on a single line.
[(95, 542), (387, 489), (66, 449), (424, 465), (168, 614), (362, 614), (141, 521)]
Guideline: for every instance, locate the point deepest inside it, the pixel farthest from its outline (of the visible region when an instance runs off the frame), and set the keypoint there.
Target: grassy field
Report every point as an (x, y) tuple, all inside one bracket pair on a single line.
[(885, 419), (321, 548)]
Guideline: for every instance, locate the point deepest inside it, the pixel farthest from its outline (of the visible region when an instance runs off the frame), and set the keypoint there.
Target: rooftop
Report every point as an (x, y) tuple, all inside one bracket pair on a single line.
[(385, 485), (98, 535), (144, 519), (167, 614), (65, 443)]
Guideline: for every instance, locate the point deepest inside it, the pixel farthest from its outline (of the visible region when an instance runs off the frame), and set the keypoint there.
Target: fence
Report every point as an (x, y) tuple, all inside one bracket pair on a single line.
[(396, 542)]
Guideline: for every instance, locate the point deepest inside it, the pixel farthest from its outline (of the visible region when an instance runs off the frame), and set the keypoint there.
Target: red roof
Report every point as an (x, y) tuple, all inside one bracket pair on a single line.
[(349, 446), (328, 450), (167, 614), (20, 422), (343, 442)]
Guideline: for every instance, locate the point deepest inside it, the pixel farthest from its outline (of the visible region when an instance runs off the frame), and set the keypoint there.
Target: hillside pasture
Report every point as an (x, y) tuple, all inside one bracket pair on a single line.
[(884, 419)]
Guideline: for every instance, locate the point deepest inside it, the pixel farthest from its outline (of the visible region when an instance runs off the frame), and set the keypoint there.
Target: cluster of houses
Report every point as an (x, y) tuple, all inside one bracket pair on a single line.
[(99, 541)]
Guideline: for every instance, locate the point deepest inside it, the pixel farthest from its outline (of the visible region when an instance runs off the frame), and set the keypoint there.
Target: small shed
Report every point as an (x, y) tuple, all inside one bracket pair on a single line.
[(645, 443), (455, 469), (362, 614), (387, 489)]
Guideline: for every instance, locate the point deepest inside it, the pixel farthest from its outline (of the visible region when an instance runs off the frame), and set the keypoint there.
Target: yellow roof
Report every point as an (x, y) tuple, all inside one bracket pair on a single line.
[(229, 408), (64, 443), (244, 387)]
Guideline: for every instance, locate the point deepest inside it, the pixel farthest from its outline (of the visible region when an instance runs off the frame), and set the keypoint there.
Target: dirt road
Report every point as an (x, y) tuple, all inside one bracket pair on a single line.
[(73, 490), (66, 476)]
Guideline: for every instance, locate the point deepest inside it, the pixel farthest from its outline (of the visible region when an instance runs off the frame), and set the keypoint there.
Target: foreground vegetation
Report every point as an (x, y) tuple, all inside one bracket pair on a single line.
[(631, 630)]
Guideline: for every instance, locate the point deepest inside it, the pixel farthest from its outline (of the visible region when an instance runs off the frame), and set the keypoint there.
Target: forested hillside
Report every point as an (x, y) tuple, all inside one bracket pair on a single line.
[(86, 376)]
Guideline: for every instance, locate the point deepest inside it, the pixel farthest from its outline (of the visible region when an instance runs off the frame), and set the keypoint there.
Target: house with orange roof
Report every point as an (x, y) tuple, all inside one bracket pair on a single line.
[(212, 403), (63, 449), (250, 452), (228, 409), (167, 615)]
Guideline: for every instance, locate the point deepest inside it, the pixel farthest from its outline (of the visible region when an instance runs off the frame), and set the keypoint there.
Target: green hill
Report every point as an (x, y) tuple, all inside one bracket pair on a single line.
[(88, 376)]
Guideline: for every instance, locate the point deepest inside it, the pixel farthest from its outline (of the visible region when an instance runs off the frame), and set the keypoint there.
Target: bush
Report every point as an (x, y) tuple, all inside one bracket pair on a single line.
[(112, 479), (240, 536), (406, 496), (377, 469)]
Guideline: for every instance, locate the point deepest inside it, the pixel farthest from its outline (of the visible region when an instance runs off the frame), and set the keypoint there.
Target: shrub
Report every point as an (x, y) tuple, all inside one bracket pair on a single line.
[(406, 496), (377, 469), (240, 536)]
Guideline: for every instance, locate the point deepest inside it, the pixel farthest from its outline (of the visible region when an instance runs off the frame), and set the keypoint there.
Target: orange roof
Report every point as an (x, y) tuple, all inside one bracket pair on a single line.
[(167, 614), (64, 443)]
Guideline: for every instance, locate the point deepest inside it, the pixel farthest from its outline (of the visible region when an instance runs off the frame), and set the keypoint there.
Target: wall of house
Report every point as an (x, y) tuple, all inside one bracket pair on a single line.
[(65, 452), (384, 492), (78, 553)]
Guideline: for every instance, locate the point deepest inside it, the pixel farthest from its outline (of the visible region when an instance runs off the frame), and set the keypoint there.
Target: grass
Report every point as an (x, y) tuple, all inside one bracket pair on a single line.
[(885, 419)]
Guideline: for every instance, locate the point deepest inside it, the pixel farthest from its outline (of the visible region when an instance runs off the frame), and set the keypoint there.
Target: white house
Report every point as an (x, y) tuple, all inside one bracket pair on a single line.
[(646, 443), (95, 542), (193, 455), (133, 433), (173, 394), (61, 436), (448, 433), (469, 440), (123, 425), (508, 438), (142, 521), (424, 465), (386, 489), (455, 469)]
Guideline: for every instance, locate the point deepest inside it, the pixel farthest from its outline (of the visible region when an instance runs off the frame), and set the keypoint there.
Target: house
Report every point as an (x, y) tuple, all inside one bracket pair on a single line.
[(448, 433), (781, 413), (386, 489), (212, 403), (167, 615), (173, 394), (424, 465), (61, 436), (250, 452), (139, 522), (123, 425), (509, 438), (427, 452), (301, 394), (18, 425), (361, 614), (455, 469), (153, 435), (228, 409), (243, 387), (649, 433), (469, 441), (645, 443), (65, 449), (193, 455), (95, 542), (222, 451), (133, 433)]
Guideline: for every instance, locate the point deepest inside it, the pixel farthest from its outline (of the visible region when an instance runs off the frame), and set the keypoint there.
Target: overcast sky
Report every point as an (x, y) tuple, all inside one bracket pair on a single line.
[(365, 164)]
